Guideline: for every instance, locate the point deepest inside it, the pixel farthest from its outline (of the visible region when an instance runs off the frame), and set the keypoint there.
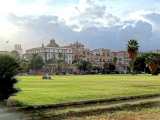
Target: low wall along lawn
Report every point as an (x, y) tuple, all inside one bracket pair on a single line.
[(63, 89)]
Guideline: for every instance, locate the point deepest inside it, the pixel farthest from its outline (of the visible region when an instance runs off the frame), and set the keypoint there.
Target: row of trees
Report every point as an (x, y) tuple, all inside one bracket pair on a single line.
[(142, 62), (36, 62), (87, 66)]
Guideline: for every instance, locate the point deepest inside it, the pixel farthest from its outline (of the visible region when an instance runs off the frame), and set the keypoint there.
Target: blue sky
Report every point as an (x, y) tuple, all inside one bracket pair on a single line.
[(95, 23)]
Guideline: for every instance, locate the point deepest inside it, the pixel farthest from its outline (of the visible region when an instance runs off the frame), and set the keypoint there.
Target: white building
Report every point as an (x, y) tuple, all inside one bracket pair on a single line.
[(18, 48), (52, 50)]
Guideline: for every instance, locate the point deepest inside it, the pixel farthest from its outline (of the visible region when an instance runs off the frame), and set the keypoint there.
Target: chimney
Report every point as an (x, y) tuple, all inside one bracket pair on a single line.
[(42, 45)]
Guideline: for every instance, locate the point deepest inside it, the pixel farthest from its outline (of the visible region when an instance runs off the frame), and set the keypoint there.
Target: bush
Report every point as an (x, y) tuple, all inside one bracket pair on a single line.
[(9, 67), (70, 72), (75, 73), (117, 72), (64, 73)]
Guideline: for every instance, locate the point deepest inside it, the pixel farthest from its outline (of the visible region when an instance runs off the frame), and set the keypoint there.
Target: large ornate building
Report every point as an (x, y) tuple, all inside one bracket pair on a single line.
[(52, 50)]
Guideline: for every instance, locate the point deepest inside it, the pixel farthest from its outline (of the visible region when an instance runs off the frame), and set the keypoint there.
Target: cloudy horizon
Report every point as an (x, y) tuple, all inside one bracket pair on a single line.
[(95, 23)]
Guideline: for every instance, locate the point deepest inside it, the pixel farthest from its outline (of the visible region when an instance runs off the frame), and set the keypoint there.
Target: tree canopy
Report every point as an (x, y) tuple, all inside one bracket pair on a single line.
[(35, 62), (9, 67)]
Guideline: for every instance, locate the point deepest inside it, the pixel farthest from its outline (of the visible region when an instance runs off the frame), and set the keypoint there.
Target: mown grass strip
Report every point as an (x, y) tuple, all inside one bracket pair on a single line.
[(83, 103), (64, 89)]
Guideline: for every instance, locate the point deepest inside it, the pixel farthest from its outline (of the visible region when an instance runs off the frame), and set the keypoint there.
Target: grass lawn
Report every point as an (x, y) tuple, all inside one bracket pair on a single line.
[(60, 89), (152, 113)]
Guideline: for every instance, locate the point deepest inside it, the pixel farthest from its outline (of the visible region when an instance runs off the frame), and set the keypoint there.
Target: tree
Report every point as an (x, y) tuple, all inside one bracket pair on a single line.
[(89, 67), (152, 61), (50, 61), (59, 64), (35, 62), (111, 67), (84, 64), (78, 65), (132, 49), (115, 61), (9, 68), (105, 65), (24, 66), (139, 63), (15, 53)]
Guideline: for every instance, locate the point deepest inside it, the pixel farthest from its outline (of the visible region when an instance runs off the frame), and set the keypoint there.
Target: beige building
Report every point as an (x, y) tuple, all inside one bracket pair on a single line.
[(97, 56), (122, 60), (52, 50)]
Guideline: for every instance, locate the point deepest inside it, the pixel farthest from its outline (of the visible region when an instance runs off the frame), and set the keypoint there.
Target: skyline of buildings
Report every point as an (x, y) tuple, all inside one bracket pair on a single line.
[(77, 51)]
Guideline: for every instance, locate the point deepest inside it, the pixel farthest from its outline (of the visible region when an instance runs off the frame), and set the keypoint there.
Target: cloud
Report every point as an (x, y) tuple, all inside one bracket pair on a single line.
[(154, 19), (90, 13), (139, 30), (43, 1), (91, 22)]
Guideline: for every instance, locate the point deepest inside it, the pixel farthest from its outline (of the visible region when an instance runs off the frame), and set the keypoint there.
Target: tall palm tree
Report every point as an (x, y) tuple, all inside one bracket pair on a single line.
[(115, 61), (105, 65), (152, 61), (59, 64), (78, 65), (132, 50)]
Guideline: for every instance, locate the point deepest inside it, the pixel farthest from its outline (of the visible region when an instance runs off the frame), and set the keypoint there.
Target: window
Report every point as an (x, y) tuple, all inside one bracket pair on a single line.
[(119, 59)]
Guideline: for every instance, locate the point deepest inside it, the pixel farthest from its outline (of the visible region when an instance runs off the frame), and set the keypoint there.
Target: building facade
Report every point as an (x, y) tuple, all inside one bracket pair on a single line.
[(77, 51), (97, 56), (122, 60), (18, 48), (52, 50)]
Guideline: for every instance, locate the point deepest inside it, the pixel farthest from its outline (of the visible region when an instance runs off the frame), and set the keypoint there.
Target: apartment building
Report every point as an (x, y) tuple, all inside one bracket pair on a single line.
[(97, 56), (122, 60)]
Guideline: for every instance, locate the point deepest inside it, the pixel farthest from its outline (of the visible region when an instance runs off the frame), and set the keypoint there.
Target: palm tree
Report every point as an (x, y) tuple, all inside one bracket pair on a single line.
[(152, 61), (132, 50), (59, 64), (105, 65), (115, 61), (78, 65)]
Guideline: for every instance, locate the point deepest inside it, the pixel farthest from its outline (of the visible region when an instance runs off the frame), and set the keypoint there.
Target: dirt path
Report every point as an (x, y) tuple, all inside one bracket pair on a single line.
[(7, 113)]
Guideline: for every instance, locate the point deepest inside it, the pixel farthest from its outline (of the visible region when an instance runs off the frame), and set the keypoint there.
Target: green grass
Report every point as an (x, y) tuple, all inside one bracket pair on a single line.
[(152, 113), (60, 89)]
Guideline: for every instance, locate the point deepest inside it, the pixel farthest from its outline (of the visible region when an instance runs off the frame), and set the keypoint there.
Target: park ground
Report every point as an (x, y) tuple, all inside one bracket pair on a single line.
[(76, 88)]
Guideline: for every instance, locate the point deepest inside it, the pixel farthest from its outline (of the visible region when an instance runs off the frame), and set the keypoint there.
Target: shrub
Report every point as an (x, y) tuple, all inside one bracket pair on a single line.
[(64, 73), (75, 73), (9, 67)]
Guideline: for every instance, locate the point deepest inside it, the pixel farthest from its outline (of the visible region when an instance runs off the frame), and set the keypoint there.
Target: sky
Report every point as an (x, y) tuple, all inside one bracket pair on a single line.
[(95, 23)]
